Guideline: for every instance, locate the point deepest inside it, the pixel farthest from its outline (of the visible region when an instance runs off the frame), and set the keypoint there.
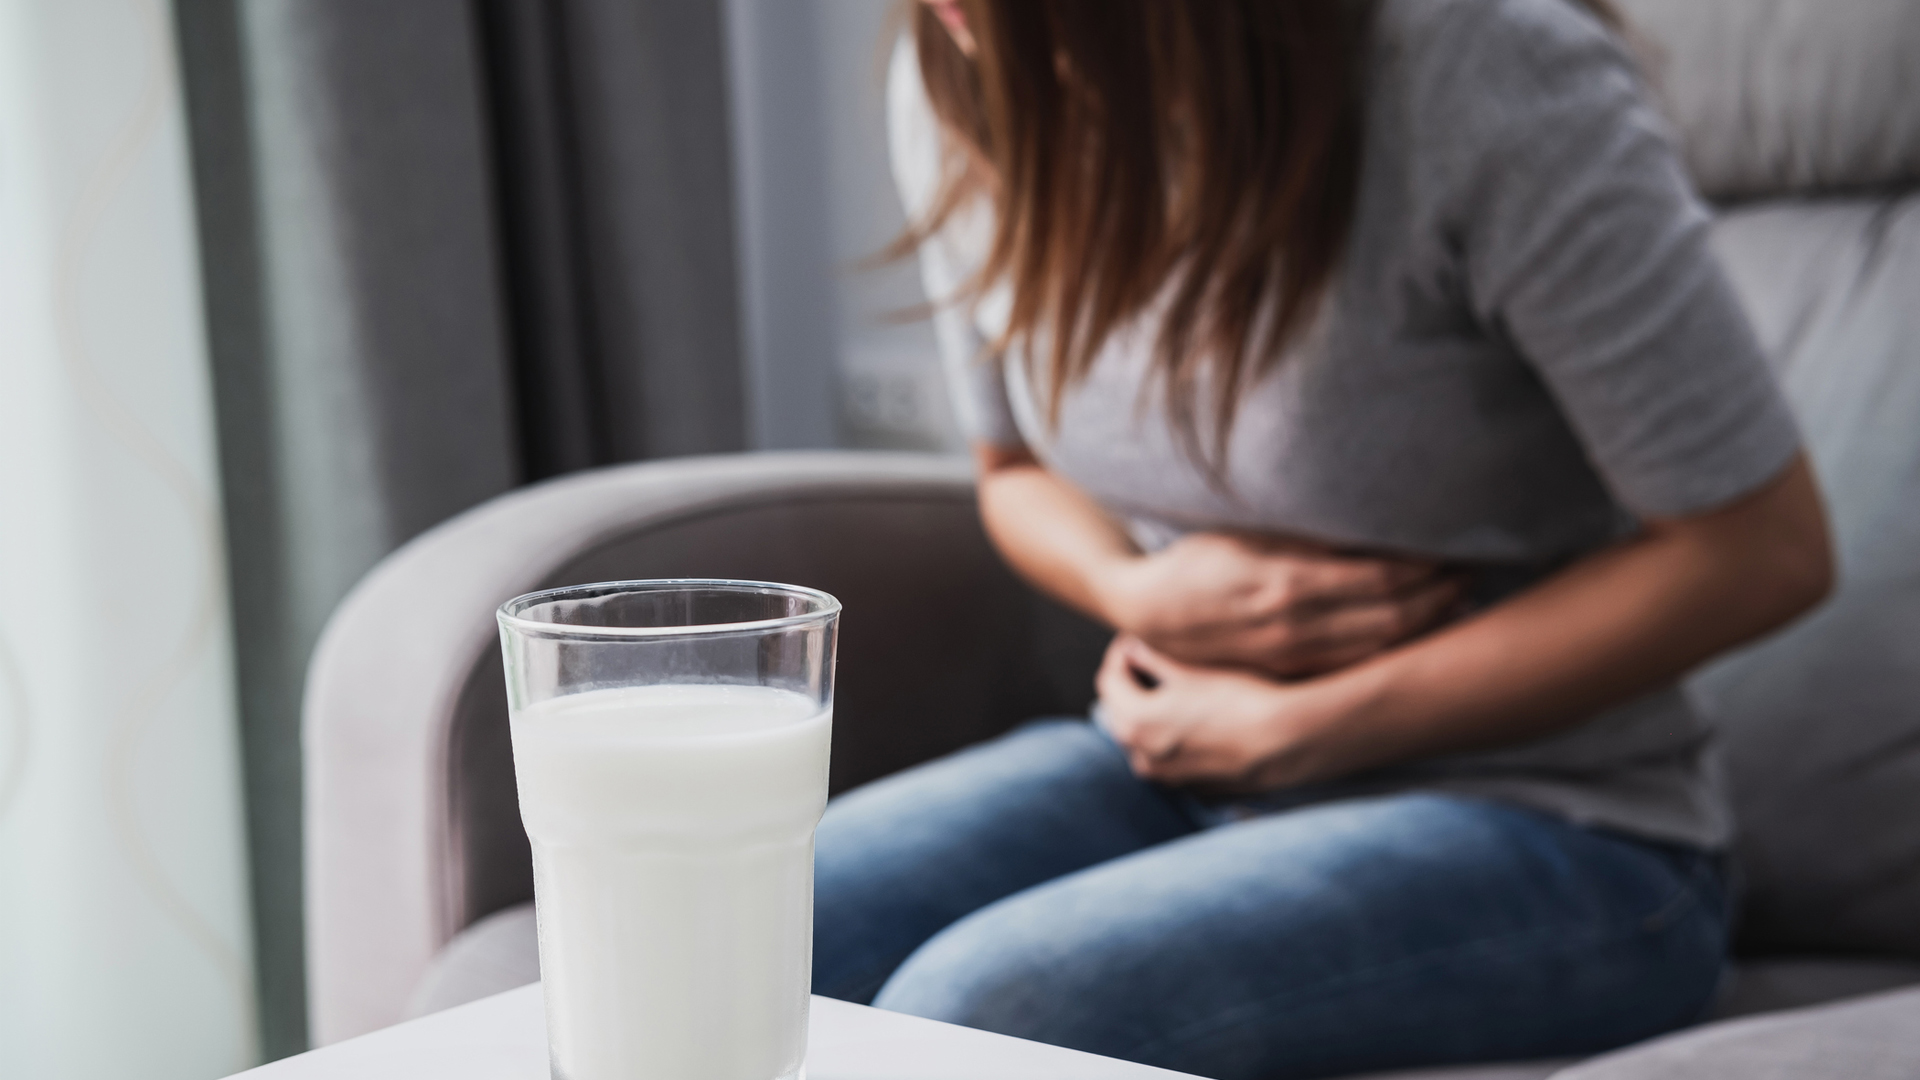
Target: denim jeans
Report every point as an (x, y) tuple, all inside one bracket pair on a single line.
[(1033, 886)]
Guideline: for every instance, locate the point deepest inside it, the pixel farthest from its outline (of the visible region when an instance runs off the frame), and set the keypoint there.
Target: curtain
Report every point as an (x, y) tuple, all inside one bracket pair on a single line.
[(450, 246), (827, 353), (124, 940), (453, 246), (613, 177), (357, 332)]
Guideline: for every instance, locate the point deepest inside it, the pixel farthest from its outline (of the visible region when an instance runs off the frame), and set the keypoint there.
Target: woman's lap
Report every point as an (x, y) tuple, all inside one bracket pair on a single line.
[(902, 858), (1363, 934)]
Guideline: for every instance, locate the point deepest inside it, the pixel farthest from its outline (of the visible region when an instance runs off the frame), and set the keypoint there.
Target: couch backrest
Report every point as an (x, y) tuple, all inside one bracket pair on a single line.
[(940, 646), (1782, 97), (1822, 723), (1803, 117), (412, 829)]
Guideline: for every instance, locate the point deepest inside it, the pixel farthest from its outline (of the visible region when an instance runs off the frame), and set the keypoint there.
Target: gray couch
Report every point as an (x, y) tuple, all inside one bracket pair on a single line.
[(1801, 116)]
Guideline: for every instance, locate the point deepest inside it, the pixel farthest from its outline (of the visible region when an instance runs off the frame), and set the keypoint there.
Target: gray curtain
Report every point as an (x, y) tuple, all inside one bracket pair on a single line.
[(449, 246), (614, 181)]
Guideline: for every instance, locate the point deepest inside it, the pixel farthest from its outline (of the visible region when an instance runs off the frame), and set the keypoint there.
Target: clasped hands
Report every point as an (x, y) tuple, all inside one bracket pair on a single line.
[(1212, 679)]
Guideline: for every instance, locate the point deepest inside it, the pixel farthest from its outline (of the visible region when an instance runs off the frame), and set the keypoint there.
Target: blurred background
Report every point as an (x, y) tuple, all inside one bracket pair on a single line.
[(282, 284), (285, 283)]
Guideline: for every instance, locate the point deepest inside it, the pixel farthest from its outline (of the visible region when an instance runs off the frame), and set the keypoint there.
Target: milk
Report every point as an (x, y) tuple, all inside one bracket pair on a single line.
[(672, 832)]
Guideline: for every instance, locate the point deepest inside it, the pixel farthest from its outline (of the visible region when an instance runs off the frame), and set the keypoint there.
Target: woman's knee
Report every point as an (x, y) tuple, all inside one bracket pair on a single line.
[(1077, 961), (1062, 770), (902, 858), (999, 973), (928, 808), (1033, 750)]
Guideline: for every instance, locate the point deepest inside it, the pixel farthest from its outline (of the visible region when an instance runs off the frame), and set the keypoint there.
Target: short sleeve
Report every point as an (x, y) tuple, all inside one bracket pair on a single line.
[(975, 377), (1584, 245)]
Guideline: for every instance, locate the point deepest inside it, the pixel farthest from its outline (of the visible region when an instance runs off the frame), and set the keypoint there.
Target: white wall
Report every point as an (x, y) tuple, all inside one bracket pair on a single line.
[(123, 925), (827, 364)]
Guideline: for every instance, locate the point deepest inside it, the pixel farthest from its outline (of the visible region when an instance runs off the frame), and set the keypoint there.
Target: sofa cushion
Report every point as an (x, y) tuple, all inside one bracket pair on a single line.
[(501, 952), (1773, 984), (494, 955), (1508, 1070), (1874, 1038), (999, 654), (1822, 722), (1777, 97)]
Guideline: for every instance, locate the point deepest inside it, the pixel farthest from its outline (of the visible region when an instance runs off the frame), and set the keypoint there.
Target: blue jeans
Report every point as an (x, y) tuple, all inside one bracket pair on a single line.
[(1033, 886)]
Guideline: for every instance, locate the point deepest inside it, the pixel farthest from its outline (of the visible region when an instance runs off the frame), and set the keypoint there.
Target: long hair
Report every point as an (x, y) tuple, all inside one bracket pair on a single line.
[(1197, 157)]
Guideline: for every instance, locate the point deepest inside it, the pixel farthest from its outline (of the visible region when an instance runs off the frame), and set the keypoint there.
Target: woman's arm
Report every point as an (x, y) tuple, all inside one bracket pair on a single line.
[(1051, 532), (1616, 624), (1209, 598)]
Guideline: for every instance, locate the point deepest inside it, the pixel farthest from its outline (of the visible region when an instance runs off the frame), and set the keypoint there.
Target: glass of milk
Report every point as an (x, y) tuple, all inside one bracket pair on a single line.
[(670, 743)]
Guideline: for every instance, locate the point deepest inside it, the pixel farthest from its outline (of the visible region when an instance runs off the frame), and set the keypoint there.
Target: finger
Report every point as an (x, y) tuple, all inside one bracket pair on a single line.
[(1347, 636), (1152, 759), (1451, 576), (1187, 766), (1299, 646), (1144, 756), (1147, 745), (1377, 623), (1288, 612), (1113, 655), (1306, 665), (1160, 750), (1160, 741), (1423, 609), (1122, 699), (1113, 683), (1273, 646), (1128, 650), (1314, 582), (1138, 654)]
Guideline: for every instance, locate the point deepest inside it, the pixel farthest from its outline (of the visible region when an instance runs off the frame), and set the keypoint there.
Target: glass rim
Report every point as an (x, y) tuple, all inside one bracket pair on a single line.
[(511, 613)]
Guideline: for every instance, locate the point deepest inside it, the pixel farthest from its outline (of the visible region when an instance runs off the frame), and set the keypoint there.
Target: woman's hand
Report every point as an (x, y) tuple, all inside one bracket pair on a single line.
[(1211, 598), (1215, 728), (1287, 609), (1619, 622)]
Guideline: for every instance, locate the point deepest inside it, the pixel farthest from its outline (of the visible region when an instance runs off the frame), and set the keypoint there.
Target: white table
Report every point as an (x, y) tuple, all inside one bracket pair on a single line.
[(505, 1038)]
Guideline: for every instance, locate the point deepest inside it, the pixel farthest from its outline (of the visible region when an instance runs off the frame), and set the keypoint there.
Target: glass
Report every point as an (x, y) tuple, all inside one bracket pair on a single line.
[(670, 739)]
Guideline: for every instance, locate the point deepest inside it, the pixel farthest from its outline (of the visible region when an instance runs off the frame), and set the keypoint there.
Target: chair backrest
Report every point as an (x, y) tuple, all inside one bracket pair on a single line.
[(1803, 118), (1807, 110), (940, 647), (413, 829)]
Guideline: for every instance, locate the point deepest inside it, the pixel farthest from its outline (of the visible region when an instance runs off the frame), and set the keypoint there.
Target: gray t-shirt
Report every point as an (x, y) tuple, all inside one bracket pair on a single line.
[(1528, 346)]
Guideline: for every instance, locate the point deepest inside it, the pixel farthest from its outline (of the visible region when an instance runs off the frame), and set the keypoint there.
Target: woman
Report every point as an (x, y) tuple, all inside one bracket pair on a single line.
[(1364, 366)]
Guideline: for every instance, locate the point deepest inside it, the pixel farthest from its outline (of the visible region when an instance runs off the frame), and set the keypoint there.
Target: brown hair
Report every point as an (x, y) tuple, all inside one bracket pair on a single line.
[(1201, 154)]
